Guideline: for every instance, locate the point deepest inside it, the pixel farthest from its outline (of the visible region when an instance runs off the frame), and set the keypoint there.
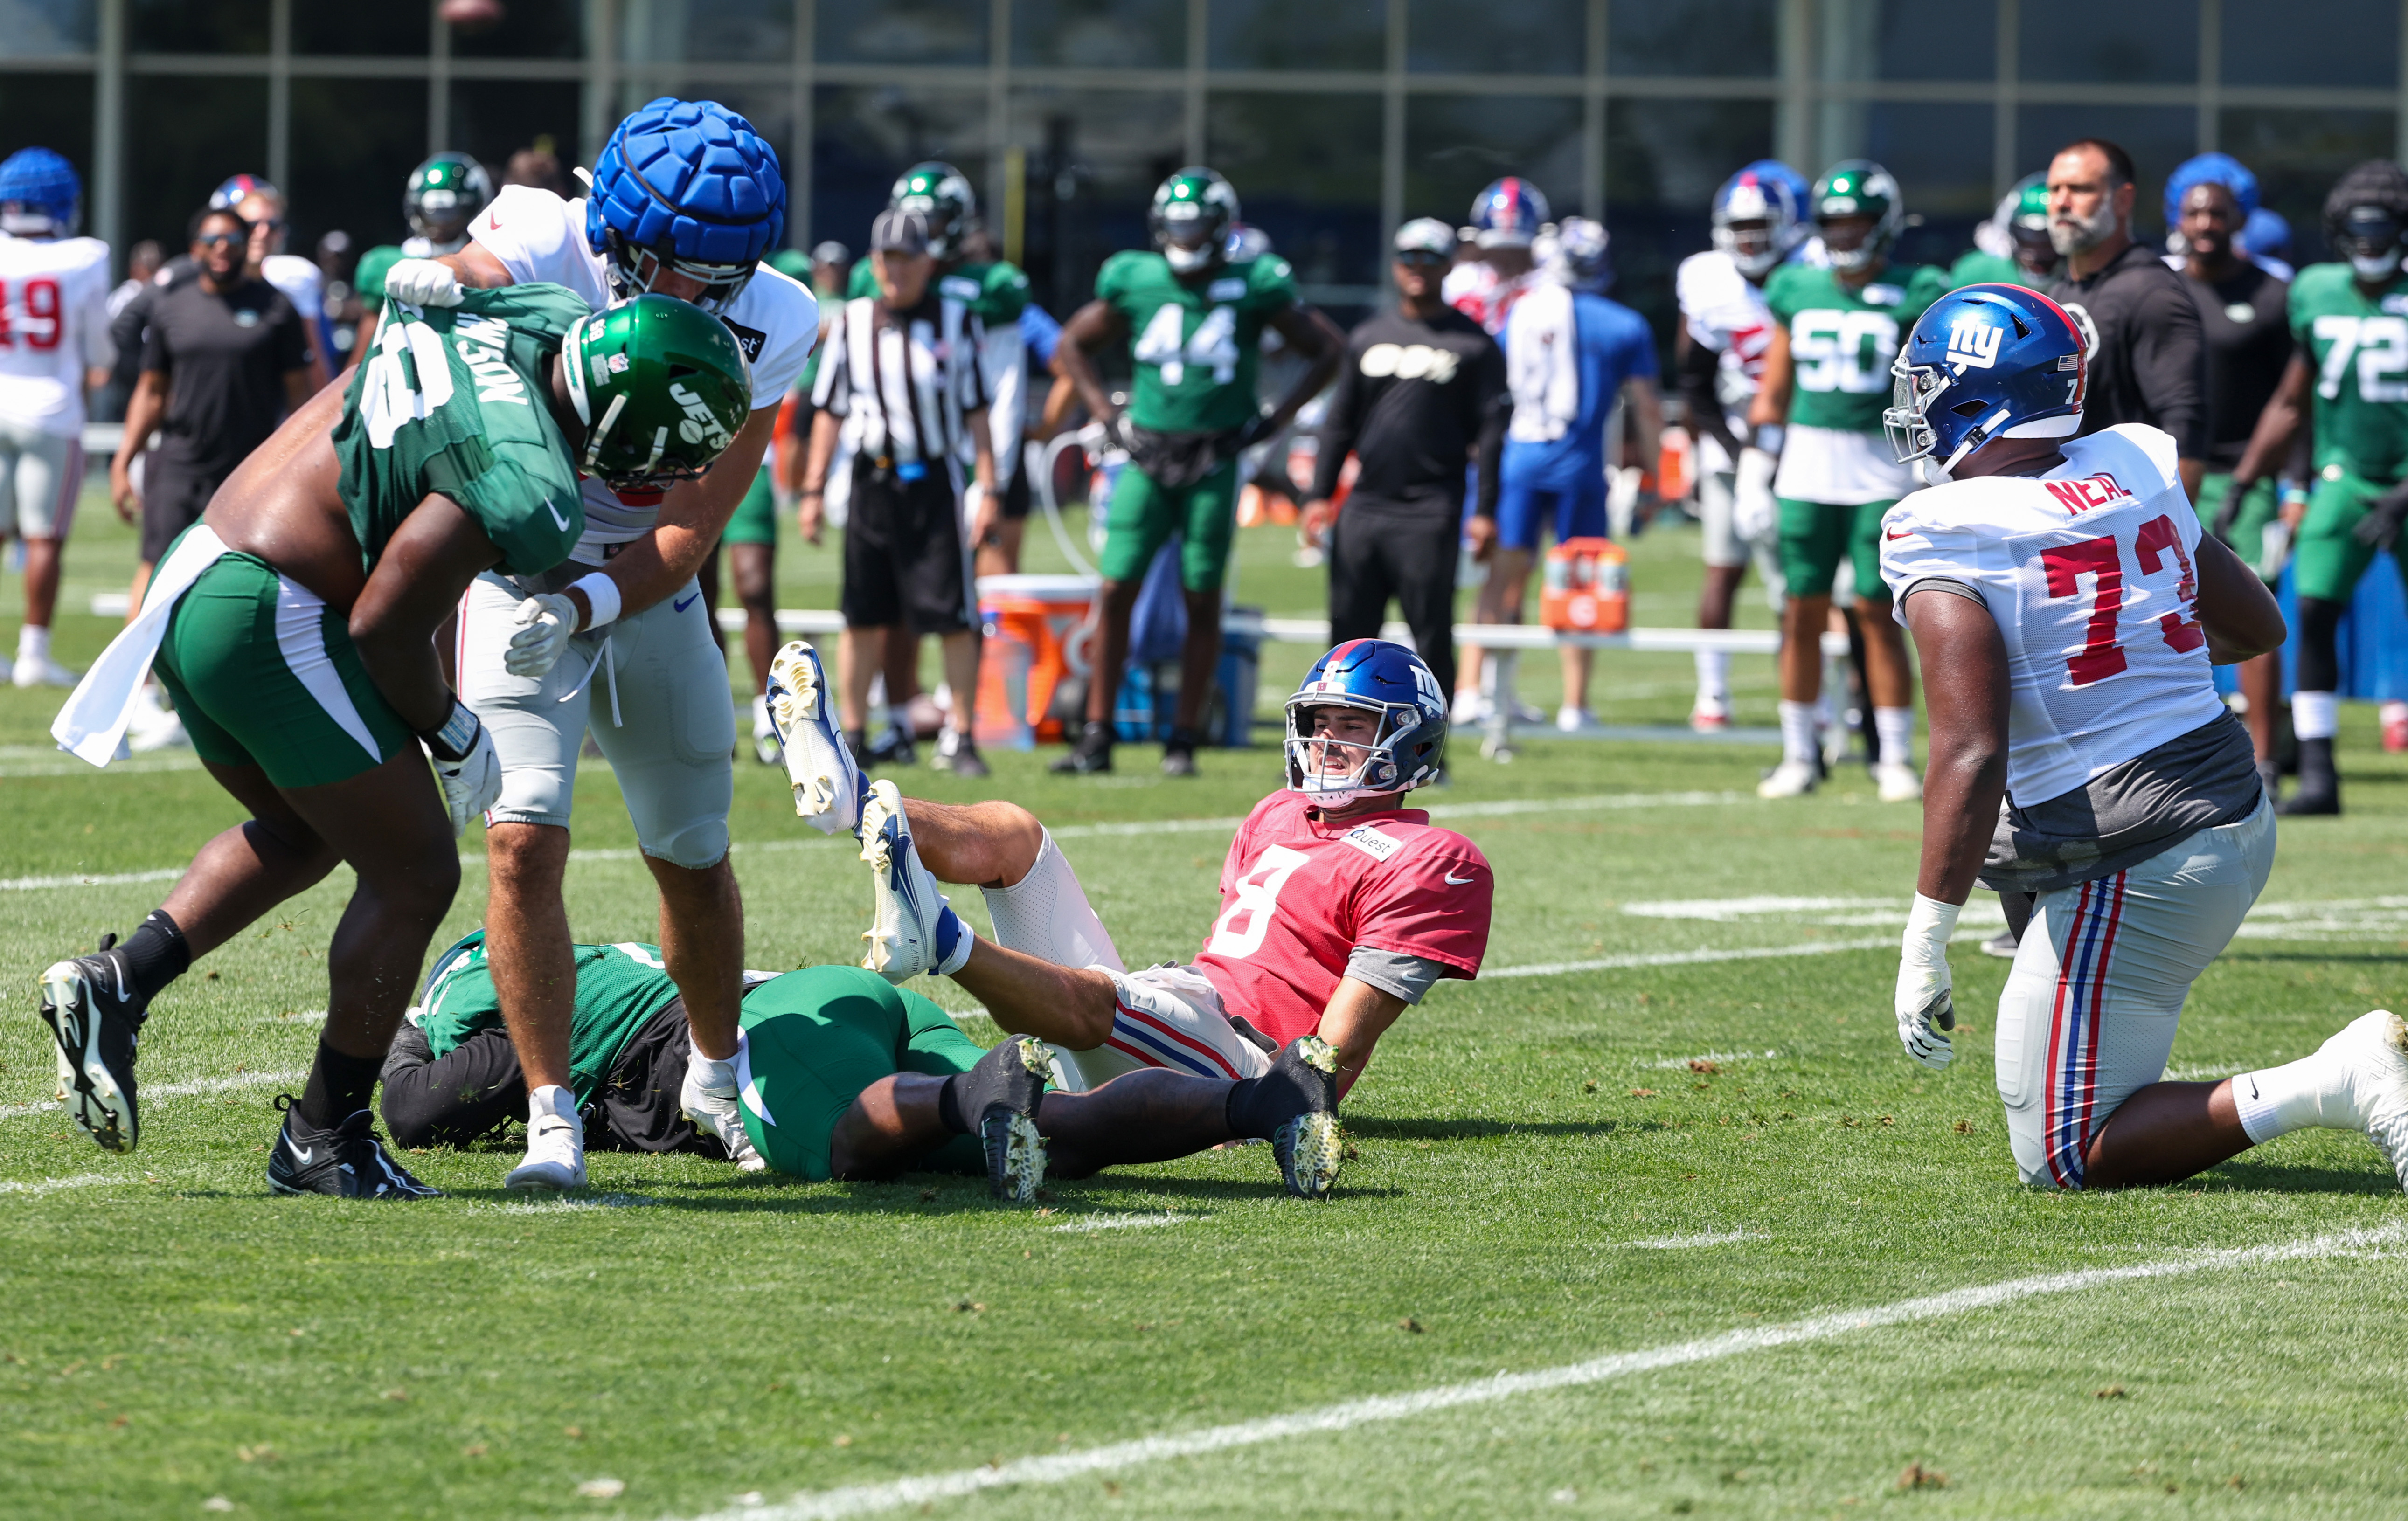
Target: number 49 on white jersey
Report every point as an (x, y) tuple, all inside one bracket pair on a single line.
[(2088, 571)]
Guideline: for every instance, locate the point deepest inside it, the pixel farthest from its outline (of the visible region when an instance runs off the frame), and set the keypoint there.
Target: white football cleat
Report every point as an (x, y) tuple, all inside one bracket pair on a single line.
[(913, 929), (1573, 720), (1789, 779), (41, 671), (156, 730), (556, 1154), (2375, 1050), (1710, 714), (1896, 782), (708, 1098), (829, 788)]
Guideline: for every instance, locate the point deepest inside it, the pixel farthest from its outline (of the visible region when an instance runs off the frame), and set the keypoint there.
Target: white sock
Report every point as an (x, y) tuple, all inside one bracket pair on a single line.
[(552, 1100), (713, 1072), (1714, 678), (2310, 1093), (1798, 733), (1895, 728), (33, 644), (2315, 714)]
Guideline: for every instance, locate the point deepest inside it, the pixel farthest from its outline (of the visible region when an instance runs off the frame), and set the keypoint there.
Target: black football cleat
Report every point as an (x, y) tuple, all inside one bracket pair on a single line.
[(95, 1015), (999, 1097), (1179, 752), (1294, 1106), (1091, 757), (347, 1162)]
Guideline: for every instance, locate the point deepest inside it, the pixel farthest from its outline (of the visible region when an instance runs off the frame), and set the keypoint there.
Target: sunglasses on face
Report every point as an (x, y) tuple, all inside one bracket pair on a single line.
[(219, 240), (1421, 256), (271, 223)]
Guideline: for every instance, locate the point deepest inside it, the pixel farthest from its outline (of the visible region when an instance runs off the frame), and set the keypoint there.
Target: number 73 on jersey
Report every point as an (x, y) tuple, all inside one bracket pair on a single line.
[(2100, 562)]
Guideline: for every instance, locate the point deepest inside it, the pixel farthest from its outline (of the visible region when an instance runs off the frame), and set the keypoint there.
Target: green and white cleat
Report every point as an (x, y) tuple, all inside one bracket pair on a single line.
[(1295, 1107), (830, 788), (999, 1098)]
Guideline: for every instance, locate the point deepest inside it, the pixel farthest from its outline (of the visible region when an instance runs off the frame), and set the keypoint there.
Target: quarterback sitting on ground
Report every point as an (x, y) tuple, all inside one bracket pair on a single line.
[(2067, 607), (1340, 907)]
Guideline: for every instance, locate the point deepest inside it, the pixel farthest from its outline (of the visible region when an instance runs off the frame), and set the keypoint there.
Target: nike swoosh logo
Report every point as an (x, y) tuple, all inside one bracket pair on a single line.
[(681, 606), (1908, 534), (1454, 881), (300, 1153), (558, 521)]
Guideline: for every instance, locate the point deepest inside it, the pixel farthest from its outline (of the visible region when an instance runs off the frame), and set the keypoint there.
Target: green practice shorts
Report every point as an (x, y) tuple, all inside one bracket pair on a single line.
[(756, 516), (1816, 535), (2328, 559), (2248, 537), (264, 673), (1143, 515), (815, 1038)]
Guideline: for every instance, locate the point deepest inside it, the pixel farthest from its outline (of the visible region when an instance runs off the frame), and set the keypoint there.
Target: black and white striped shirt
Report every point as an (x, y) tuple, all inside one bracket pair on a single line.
[(904, 382)]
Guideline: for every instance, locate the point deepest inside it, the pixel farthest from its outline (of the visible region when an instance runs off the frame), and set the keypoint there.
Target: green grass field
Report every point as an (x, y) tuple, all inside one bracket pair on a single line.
[(1722, 1166)]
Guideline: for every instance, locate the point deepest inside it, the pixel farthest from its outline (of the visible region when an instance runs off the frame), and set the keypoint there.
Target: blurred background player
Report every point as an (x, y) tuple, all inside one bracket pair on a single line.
[(261, 205), (1759, 223), (2012, 247), (2265, 242), (1570, 355), (1194, 322), (1421, 395), (443, 196), (54, 310), (1827, 378), (1506, 218), (2345, 318)]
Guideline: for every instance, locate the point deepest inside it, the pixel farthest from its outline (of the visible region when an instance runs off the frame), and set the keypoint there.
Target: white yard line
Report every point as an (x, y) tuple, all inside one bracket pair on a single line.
[(1681, 1244), (194, 1087), (1688, 957), (1125, 1222), (51, 1185), (1673, 1063), (872, 1499)]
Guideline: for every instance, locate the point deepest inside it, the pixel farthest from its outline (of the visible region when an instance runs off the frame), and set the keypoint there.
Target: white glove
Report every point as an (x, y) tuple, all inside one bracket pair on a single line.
[(422, 282), (472, 783), (1925, 1010), (1755, 517), (544, 624)]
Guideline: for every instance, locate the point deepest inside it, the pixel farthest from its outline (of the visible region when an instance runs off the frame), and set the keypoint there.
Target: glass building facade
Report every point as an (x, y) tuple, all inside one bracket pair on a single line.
[(1335, 118)]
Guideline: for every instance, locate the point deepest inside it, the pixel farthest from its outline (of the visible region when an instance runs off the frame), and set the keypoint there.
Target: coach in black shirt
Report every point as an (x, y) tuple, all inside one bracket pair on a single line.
[(2148, 363), (1420, 395)]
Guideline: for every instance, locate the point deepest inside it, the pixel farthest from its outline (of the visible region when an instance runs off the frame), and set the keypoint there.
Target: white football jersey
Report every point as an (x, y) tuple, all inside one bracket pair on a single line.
[(2088, 571), (54, 326), (1725, 315), (537, 236)]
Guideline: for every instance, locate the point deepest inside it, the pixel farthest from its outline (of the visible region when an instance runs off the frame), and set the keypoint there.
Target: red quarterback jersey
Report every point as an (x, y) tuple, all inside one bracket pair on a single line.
[(1298, 896)]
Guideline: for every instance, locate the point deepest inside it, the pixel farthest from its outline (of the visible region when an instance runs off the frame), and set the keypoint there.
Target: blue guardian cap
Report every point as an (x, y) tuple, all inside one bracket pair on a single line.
[(1982, 363), (685, 186)]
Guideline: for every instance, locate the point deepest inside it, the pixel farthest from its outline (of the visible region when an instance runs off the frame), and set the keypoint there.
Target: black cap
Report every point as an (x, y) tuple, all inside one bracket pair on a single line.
[(899, 232)]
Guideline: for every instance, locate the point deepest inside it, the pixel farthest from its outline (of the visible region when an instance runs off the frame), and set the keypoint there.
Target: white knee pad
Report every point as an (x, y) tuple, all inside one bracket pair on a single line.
[(1046, 915), (699, 844)]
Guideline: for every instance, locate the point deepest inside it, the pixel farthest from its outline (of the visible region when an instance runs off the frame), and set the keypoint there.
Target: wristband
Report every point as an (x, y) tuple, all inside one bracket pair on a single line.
[(457, 734), (1931, 922), (1768, 438), (601, 595)]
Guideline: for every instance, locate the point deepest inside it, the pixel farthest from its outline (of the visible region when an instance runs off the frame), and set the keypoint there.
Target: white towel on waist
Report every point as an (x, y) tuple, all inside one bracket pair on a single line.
[(1542, 363), (99, 710)]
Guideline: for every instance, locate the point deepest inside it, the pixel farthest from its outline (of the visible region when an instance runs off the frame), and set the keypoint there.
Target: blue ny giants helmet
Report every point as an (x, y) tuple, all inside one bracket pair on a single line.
[(1982, 363), (1508, 214), (1376, 676), (685, 186)]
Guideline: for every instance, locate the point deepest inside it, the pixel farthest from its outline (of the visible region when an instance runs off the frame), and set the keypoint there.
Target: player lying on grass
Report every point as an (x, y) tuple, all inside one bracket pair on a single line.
[(294, 626), (2067, 607), (1339, 907), (843, 1075)]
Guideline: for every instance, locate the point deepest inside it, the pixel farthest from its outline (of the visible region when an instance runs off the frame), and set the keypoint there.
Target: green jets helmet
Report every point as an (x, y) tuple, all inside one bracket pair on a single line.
[(445, 194), (660, 386), (941, 194), (1857, 187), (1192, 215)]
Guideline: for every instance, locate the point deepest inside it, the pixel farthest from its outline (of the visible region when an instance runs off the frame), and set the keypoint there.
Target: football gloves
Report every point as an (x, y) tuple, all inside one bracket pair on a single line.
[(465, 765), (422, 282), (2380, 527), (1925, 1010), (1755, 517), (544, 624)]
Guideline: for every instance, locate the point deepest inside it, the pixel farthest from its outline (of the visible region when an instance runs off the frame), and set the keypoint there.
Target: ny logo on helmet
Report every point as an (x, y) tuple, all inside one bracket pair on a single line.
[(1974, 344), (699, 423)]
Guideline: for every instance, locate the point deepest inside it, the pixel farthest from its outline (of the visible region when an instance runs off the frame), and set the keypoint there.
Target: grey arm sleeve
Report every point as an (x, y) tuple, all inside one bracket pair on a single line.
[(1394, 972)]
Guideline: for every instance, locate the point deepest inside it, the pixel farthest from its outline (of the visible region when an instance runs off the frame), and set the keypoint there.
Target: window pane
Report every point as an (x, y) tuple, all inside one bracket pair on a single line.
[(52, 111), (902, 32), (1941, 155), (2297, 155), (352, 31), (700, 31), (1454, 145), (354, 142), (769, 107), (1709, 38), (1509, 36), (1923, 41), (867, 137), (196, 26), (1094, 160), (1307, 171), (1099, 33), (2131, 42), (183, 137), (1281, 33), (2158, 137), (528, 29), (2347, 42), (492, 119), (38, 28), (1663, 159)]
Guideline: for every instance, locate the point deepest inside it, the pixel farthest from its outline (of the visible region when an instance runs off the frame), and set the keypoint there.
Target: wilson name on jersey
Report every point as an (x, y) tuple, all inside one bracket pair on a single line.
[(2089, 572)]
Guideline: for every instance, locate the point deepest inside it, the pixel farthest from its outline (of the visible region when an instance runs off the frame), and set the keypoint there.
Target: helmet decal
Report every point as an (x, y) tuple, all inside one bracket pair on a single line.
[(1982, 363)]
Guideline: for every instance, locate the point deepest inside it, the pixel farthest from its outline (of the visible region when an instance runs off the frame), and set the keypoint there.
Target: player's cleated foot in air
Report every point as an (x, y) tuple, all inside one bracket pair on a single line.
[(913, 929), (1895, 781), (347, 1162), (96, 1017), (2374, 1049), (766, 748), (1789, 779), (708, 1096), (555, 1153), (1091, 755), (828, 784), (998, 1099), (1295, 1107), (1179, 752)]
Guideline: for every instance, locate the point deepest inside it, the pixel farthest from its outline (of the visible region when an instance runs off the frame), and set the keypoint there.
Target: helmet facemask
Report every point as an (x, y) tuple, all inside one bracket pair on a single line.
[(1191, 237), (634, 272), (2368, 238), (1361, 762)]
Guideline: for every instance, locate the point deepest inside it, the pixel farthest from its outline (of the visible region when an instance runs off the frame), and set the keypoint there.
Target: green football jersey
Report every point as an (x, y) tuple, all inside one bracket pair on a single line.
[(367, 279), (2361, 350), (618, 988), (1843, 338), (994, 293), (455, 400), (1196, 343), (1979, 268)]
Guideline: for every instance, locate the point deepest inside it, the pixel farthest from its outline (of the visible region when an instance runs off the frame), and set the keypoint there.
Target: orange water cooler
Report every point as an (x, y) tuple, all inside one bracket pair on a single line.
[(1587, 588), (1037, 632)]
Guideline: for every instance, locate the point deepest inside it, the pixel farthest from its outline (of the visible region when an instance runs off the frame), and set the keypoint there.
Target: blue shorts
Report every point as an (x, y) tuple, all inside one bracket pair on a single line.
[(1577, 511)]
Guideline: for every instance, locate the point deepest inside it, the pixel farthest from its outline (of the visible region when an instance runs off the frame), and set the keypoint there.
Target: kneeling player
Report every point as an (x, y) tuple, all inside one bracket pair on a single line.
[(843, 1075), (1339, 907), (2067, 606)]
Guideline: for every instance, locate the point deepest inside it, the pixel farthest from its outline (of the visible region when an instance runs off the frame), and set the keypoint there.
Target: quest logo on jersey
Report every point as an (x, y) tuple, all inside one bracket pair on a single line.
[(750, 339), (2089, 493), (1372, 843)]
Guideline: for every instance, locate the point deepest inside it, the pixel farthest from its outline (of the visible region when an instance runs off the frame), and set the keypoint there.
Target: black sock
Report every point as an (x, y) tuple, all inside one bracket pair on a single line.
[(949, 1106), (1239, 1091), (155, 954), (339, 1087), (2316, 772)]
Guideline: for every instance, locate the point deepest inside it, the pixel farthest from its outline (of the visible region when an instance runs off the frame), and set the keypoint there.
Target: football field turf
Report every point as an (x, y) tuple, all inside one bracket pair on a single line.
[(1655, 1218)]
